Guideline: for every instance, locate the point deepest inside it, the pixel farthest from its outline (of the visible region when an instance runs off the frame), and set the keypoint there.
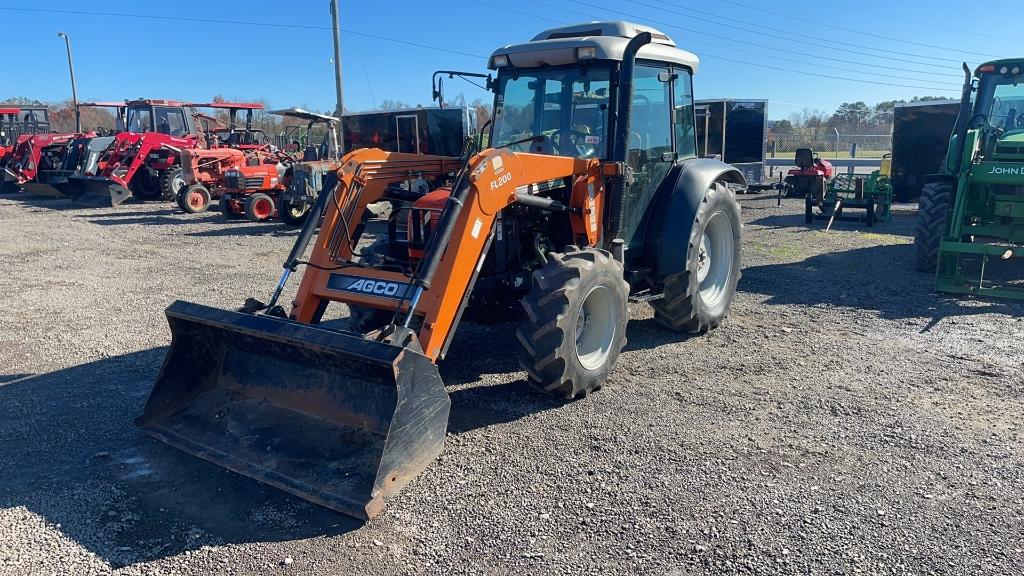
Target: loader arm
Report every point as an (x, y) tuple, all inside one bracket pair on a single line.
[(490, 182)]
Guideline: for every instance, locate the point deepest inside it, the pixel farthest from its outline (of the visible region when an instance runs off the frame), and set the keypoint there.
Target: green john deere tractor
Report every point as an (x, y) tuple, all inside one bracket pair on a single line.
[(971, 216)]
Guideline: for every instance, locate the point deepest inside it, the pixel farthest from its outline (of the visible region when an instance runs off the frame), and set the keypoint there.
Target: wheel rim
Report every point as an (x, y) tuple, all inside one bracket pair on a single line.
[(177, 182), (595, 328), (196, 200), (715, 259), (296, 210), (262, 208)]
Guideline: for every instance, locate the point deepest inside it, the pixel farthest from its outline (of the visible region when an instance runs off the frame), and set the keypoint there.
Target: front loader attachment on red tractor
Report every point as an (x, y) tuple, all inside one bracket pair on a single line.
[(97, 190), (333, 417)]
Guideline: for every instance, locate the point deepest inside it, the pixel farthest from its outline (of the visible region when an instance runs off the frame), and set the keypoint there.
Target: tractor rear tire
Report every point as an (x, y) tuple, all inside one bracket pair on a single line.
[(575, 325), (932, 215), (194, 199), (698, 298), (225, 208), (171, 182), (259, 207), (293, 214)]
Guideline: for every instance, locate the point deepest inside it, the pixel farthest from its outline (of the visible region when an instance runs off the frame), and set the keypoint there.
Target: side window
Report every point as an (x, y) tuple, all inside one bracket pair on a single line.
[(170, 121), (139, 120), (682, 110), (651, 131)]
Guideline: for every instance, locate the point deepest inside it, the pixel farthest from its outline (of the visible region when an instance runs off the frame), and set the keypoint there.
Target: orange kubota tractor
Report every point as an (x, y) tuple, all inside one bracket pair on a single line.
[(255, 189), (591, 196), (228, 146)]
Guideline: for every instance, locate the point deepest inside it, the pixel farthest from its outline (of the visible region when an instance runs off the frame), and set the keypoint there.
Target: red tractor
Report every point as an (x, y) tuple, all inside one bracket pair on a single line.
[(8, 116), (26, 134), (145, 161)]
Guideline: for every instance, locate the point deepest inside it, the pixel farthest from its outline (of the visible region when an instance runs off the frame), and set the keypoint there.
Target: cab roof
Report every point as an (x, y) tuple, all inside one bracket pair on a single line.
[(179, 104), (558, 46), (304, 114)]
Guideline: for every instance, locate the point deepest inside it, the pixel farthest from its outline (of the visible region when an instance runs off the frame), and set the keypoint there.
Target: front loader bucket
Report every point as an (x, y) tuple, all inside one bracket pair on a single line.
[(97, 190), (44, 190), (331, 417)]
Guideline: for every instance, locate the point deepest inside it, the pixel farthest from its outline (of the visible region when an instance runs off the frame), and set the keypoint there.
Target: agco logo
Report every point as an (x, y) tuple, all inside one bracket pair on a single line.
[(1008, 171), (355, 284), (380, 287)]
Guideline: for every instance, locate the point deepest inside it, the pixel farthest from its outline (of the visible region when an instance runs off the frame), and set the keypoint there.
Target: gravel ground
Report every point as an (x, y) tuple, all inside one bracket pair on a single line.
[(844, 419)]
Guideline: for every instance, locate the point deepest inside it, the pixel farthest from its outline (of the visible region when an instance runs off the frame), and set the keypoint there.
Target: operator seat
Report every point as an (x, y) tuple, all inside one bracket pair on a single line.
[(804, 158), (311, 154)]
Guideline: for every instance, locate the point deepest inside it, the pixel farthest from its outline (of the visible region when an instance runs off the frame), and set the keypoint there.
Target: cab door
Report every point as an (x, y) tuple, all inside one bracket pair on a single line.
[(650, 153)]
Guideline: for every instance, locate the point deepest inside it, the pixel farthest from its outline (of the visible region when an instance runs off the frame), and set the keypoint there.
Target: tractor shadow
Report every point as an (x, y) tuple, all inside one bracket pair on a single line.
[(880, 279), (73, 456), (901, 224), (478, 353), (244, 228)]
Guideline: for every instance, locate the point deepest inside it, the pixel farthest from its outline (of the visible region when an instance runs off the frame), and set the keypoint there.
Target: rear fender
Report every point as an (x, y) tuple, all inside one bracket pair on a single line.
[(670, 230)]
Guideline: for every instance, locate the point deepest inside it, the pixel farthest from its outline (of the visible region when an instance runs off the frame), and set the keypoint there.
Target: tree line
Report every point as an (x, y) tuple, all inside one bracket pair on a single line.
[(848, 118)]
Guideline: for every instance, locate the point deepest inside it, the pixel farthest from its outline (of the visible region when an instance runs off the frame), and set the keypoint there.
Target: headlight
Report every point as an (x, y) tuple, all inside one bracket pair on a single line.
[(586, 53), (500, 61)]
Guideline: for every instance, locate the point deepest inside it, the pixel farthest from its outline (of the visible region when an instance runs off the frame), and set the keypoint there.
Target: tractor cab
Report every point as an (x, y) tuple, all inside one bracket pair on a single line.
[(558, 94), (160, 116)]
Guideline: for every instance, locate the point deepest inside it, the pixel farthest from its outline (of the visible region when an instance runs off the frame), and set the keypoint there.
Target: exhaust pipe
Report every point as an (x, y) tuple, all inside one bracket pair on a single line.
[(623, 119)]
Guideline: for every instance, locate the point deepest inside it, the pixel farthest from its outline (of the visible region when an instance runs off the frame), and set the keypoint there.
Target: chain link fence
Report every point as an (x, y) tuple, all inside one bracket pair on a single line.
[(829, 144)]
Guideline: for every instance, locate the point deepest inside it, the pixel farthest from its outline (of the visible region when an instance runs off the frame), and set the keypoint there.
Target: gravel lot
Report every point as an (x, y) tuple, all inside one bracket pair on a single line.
[(844, 419)]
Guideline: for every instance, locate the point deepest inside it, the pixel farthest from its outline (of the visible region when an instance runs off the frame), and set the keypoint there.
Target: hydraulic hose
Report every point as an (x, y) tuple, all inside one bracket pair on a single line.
[(623, 118), (305, 235)]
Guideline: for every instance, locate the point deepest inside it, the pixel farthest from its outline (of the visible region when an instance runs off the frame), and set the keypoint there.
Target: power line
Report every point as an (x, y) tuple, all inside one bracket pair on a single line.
[(362, 61), (833, 40), (903, 77), (759, 32), (241, 23), (760, 65), (766, 46), (903, 19)]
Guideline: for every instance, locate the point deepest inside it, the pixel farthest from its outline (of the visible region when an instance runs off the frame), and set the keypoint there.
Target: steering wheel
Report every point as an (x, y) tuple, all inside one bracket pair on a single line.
[(581, 149)]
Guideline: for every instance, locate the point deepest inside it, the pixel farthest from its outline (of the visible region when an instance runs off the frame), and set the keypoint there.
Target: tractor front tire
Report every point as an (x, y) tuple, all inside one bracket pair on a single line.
[(698, 298), (194, 200), (259, 207), (225, 208), (932, 215), (172, 181), (575, 325)]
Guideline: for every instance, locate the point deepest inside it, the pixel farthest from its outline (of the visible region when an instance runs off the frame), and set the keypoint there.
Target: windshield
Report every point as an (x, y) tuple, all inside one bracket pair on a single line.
[(567, 106), (140, 119), (1000, 100)]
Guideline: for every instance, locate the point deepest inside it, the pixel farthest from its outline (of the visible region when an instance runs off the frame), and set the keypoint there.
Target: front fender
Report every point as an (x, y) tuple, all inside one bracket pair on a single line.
[(670, 230)]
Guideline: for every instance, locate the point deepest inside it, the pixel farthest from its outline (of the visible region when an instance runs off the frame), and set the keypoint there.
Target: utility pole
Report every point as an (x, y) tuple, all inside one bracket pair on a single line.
[(74, 90), (339, 108)]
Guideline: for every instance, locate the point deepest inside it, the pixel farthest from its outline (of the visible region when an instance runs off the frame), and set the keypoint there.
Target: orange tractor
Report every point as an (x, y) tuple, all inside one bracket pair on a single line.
[(262, 188), (591, 196), (228, 147)]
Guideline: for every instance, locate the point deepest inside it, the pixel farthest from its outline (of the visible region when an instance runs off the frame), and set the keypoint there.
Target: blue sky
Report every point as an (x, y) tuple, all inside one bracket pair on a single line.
[(746, 51)]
